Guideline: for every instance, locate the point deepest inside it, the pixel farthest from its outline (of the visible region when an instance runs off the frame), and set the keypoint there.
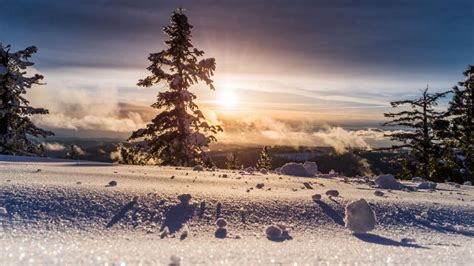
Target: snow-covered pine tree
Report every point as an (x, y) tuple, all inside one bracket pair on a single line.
[(265, 160), (179, 134), (419, 138), (232, 161), (15, 124), (461, 129)]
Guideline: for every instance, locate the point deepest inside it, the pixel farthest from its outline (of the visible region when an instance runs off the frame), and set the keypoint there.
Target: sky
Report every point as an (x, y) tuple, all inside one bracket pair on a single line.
[(294, 65)]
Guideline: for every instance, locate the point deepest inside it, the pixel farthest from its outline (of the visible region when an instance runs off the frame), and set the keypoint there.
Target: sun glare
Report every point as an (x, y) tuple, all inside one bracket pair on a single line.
[(228, 99)]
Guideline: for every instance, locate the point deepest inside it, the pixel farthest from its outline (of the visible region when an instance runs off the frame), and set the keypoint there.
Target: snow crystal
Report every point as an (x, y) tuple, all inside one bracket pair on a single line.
[(311, 168), (387, 182), (359, 217), (294, 169)]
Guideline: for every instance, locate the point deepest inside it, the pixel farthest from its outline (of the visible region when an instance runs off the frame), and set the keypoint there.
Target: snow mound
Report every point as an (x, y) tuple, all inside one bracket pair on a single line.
[(417, 179), (332, 193), (294, 169), (311, 168), (359, 217), (277, 232), (427, 185), (221, 222), (316, 197), (387, 182), (198, 168)]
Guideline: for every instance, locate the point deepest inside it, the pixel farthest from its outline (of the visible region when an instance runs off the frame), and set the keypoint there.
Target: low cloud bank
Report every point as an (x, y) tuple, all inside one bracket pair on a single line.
[(267, 131), (85, 109), (53, 146)]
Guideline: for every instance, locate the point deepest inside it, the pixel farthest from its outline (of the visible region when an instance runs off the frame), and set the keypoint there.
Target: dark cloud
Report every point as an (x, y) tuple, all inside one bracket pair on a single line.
[(385, 35)]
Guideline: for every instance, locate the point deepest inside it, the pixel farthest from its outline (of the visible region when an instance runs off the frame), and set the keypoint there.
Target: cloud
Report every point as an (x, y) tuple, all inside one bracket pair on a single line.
[(53, 146), (76, 109), (267, 131)]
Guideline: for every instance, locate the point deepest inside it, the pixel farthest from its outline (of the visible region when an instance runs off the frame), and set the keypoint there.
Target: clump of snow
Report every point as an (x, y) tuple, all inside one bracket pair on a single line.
[(359, 217), (165, 232), (273, 231), (332, 193), (406, 240), (417, 179), (307, 185), (184, 199), (311, 168), (220, 232), (277, 232), (378, 193), (174, 261), (294, 169), (221, 223), (316, 197), (198, 168), (387, 182), (427, 185), (468, 183), (249, 170), (3, 211), (184, 232)]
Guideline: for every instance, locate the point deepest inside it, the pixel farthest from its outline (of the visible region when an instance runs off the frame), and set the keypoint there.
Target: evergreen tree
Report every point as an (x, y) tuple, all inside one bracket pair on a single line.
[(419, 139), (232, 161), (460, 136), (179, 134), (15, 124), (74, 152), (265, 160)]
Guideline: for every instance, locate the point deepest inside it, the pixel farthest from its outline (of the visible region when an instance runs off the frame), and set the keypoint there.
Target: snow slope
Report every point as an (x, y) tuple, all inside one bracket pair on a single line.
[(64, 212)]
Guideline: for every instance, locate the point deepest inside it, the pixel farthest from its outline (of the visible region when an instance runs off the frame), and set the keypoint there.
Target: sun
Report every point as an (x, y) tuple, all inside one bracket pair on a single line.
[(228, 99)]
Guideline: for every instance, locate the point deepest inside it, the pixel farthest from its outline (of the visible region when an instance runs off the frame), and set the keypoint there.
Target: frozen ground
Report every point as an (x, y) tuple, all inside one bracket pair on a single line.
[(63, 212)]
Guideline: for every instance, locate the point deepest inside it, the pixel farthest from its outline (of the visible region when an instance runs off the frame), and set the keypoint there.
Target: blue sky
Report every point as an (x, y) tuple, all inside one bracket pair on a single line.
[(320, 62)]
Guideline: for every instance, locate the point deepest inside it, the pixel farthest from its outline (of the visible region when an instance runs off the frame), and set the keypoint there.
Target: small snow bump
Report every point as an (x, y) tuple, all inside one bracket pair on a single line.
[(221, 223), (332, 193)]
